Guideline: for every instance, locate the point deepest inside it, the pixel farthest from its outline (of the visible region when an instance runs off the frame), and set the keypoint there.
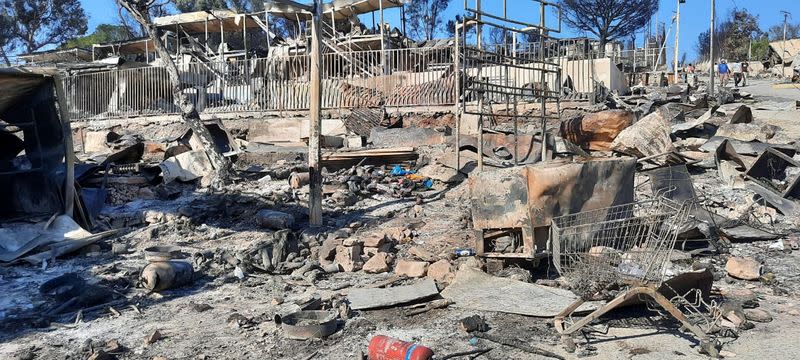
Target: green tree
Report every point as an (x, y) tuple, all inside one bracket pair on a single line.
[(200, 5), (760, 48), (41, 23), (7, 43), (732, 36), (776, 32), (424, 18), (104, 33), (742, 28), (608, 19)]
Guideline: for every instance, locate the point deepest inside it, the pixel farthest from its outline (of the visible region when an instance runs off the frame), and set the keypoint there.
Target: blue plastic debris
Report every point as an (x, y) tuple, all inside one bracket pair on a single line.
[(399, 171)]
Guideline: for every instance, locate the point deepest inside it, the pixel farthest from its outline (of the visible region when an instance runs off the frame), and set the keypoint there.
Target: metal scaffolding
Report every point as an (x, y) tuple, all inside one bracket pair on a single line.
[(496, 76)]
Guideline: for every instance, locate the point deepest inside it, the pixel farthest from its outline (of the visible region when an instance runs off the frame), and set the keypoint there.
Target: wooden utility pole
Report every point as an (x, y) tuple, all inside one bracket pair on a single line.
[(711, 71), (677, 36), (783, 55), (315, 121)]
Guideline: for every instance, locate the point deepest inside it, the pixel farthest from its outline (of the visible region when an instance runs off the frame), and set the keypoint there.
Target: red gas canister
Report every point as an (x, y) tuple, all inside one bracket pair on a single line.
[(386, 348)]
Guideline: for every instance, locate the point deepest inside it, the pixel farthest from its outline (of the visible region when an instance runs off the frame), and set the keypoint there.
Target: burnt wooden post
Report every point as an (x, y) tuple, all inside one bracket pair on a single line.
[(315, 108)]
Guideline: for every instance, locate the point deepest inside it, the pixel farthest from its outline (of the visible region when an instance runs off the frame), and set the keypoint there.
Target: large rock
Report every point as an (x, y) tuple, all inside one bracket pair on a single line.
[(328, 249), (743, 268), (441, 173), (441, 271), (422, 254), (757, 315), (374, 240), (348, 258), (377, 264), (414, 269), (598, 130), (648, 137)]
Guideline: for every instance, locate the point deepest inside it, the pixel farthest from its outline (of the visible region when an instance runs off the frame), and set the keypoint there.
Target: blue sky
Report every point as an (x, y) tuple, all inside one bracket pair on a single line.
[(695, 15)]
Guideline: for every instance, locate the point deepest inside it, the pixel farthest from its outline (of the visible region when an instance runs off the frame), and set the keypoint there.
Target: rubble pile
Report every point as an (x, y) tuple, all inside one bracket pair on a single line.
[(414, 247)]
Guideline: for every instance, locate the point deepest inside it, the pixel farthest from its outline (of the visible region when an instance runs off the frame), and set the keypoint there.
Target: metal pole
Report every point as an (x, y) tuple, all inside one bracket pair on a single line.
[(403, 19), (244, 36), (544, 84), (783, 55), (456, 88), (315, 120), (711, 48), (677, 36), (383, 40), (481, 94)]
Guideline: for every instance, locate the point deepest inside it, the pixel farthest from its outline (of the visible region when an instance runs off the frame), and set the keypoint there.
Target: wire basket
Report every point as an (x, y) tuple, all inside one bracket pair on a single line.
[(628, 243)]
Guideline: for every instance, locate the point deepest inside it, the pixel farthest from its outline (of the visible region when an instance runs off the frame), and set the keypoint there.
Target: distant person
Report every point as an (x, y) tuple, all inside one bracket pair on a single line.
[(691, 77), (736, 69), (745, 71), (724, 72)]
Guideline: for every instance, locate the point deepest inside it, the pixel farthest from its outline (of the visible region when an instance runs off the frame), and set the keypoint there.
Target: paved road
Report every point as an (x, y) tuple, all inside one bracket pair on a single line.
[(762, 88)]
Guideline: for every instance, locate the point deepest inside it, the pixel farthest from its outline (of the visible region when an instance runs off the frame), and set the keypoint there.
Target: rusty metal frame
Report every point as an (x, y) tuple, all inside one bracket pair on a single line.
[(476, 57)]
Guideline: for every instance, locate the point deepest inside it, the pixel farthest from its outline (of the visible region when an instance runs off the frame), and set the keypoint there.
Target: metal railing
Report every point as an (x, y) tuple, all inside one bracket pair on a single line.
[(350, 79), (398, 77)]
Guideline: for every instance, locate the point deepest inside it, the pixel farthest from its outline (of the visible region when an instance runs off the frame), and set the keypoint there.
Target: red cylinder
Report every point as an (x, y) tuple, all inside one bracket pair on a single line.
[(385, 348)]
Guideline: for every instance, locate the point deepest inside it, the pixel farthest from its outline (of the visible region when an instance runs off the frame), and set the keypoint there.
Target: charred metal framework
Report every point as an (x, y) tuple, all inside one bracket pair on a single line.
[(487, 72)]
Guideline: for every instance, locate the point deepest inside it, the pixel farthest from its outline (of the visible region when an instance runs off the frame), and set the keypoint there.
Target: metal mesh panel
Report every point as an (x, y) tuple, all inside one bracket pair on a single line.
[(625, 243)]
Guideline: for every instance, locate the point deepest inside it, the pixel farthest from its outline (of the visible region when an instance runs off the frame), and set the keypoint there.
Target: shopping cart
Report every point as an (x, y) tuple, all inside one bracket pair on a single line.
[(623, 247)]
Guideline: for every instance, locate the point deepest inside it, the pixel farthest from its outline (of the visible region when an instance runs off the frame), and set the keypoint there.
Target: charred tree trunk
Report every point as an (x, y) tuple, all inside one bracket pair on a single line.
[(139, 11)]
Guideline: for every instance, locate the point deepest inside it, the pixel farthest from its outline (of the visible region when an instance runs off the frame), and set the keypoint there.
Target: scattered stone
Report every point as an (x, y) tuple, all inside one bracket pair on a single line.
[(374, 241), (441, 271), (100, 355), (377, 264), (422, 254), (473, 262), (441, 173), (395, 234), (348, 258), (277, 300), (371, 251), (473, 323), (119, 248), (328, 249), (200, 307), (414, 269), (26, 354), (351, 242), (153, 337), (741, 295), (743, 268), (757, 315), (113, 346)]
